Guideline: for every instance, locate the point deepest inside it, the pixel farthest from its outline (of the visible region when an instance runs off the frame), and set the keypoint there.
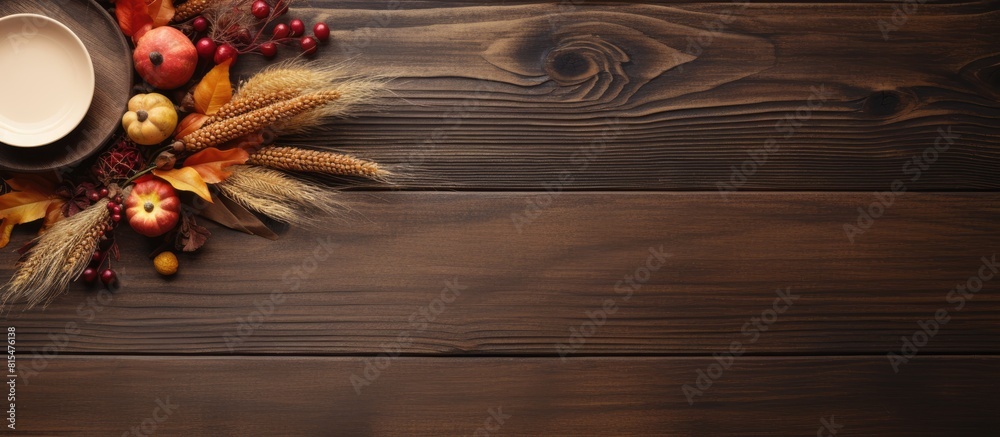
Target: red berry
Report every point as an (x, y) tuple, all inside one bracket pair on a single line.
[(116, 218), (260, 9), (104, 192), (269, 49), (224, 53), (321, 31), (89, 275), (96, 256), (118, 199), (281, 30), (206, 48), (200, 24), (94, 196), (297, 27), (309, 45), (108, 276), (112, 205), (117, 209)]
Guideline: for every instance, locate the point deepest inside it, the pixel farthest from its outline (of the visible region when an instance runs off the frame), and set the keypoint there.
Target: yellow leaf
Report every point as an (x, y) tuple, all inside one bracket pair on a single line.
[(5, 231), (212, 163), (214, 90), (161, 11), (186, 179), (21, 207)]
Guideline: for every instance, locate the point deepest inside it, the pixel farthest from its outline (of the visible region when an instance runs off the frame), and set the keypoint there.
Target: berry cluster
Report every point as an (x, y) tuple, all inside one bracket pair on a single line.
[(224, 36), (101, 257)]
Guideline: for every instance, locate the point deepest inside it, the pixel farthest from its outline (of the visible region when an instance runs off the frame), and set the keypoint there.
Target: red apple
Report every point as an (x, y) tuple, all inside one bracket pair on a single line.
[(165, 58), (152, 207)]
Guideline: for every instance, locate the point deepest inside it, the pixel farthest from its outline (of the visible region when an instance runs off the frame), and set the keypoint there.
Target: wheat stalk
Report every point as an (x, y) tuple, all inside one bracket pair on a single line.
[(354, 92), (315, 161), (274, 84), (254, 121), (240, 106), (58, 257), (190, 9), (292, 79), (279, 196)]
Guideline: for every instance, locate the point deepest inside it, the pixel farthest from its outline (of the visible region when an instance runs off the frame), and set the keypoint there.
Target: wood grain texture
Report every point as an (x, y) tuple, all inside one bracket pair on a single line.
[(508, 96), (581, 397), (526, 292), (112, 59)]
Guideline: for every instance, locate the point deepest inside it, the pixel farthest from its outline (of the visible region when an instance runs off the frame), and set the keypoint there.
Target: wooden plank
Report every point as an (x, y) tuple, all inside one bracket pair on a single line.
[(762, 396), (527, 292), (501, 96)]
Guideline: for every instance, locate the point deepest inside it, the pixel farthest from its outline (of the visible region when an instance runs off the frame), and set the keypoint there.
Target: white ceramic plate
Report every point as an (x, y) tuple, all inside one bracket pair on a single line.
[(46, 80)]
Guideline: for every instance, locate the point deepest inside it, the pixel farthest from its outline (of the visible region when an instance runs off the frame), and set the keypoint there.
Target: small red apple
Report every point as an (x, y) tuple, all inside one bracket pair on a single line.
[(165, 58), (152, 207)]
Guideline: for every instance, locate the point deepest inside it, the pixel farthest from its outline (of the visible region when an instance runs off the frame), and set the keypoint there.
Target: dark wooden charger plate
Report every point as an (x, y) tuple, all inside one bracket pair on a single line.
[(112, 58)]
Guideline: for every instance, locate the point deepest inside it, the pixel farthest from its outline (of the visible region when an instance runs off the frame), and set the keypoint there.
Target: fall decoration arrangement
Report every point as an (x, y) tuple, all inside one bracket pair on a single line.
[(213, 153)]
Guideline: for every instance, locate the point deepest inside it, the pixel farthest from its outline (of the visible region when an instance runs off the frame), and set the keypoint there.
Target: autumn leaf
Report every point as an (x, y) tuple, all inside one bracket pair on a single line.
[(214, 90), (53, 215), (191, 236), (161, 11), (133, 15), (35, 198), (41, 182), (235, 216), (189, 124), (20, 207), (212, 164), (185, 179)]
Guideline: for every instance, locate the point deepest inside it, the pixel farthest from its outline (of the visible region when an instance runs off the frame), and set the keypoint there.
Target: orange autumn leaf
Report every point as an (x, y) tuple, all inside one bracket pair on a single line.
[(34, 199), (53, 215), (132, 16), (189, 124), (214, 90), (186, 179), (161, 11), (212, 164)]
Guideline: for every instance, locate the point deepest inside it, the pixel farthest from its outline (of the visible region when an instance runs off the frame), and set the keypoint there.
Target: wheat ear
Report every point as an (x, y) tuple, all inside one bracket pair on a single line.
[(279, 196), (254, 121), (291, 79), (190, 9), (315, 161), (58, 257)]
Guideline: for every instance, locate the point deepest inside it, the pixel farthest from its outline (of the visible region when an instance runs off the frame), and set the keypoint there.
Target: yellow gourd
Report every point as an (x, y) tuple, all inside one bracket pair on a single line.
[(150, 119)]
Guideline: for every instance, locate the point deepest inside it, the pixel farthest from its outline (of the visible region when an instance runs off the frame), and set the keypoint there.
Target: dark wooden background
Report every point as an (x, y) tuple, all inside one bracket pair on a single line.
[(544, 149)]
